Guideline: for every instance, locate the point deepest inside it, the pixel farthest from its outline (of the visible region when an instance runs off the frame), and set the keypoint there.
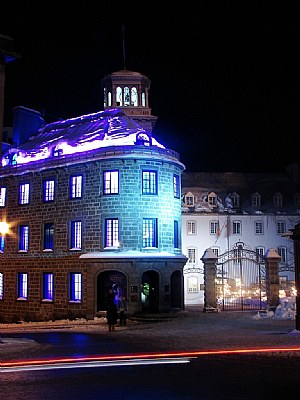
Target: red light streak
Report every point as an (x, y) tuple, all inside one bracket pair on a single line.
[(194, 354)]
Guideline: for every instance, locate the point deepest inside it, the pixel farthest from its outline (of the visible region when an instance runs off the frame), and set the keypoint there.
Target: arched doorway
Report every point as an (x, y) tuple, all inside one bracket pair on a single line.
[(150, 292), (110, 280), (176, 290)]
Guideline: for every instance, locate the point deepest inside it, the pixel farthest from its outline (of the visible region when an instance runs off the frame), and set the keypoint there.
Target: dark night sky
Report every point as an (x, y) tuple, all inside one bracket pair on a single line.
[(224, 75)]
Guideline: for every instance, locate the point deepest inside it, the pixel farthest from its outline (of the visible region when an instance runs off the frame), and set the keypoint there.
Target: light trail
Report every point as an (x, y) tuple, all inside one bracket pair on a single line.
[(129, 359), (95, 364)]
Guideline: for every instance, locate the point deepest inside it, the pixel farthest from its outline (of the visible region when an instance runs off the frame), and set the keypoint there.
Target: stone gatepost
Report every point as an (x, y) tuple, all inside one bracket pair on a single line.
[(272, 278), (210, 271)]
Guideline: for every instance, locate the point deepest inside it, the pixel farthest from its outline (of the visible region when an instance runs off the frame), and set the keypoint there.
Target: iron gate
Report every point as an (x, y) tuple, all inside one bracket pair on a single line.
[(241, 280)]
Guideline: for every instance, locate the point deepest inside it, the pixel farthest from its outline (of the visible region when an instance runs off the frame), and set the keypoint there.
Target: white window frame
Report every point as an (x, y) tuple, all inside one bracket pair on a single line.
[(23, 238), (48, 286), (112, 232), (1, 285), (259, 227), (236, 227), (281, 227), (48, 190), (191, 227), (22, 289), (214, 227), (111, 182), (2, 196), (191, 253), (192, 284), (76, 186), (75, 288), (24, 191), (76, 235), (282, 252)]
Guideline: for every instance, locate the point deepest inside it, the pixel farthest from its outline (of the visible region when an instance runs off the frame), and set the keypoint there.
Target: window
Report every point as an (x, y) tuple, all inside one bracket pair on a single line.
[(191, 255), (235, 198), (176, 235), (216, 251), (260, 254), (176, 186), (256, 200), (1, 285), (75, 287), (283, 282), (76, 186), (236, 227), (214, 228), (76, 235), (112, 232), (134, 97), (24, 193), (191, 227), (212, 199), (259, 227), (126, 96), (119, 96), (282, 253), (2, 196), (22, 285), (23, 237), (192, 284), (2, 243), (48, 236), (278, 202), (281, 227), (48, 286), (149, 232), (189, 199), (149, 182), (48, 190), (111, 182), (143, 99)]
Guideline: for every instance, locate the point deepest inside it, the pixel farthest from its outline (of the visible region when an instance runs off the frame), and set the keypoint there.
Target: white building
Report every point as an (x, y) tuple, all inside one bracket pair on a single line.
[(221, 209)]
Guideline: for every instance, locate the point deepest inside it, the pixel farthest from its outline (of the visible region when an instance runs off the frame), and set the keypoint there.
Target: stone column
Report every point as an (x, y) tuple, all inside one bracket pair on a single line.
[(272, 278), (210, 270)]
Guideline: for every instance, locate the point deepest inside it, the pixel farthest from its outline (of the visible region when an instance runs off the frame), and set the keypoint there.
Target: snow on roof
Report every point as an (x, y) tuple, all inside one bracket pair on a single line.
[(89, 132)]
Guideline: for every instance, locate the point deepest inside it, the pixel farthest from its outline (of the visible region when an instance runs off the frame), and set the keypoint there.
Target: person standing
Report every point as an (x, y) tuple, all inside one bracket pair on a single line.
[(111, 313), (122, 308)]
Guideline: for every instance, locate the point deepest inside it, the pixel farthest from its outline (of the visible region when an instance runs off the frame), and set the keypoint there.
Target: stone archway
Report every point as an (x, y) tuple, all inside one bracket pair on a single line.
[(150, 292)]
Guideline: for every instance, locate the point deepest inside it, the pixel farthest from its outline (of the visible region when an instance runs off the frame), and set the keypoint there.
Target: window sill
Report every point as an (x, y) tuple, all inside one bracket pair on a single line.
[(75, 301), (22, 299), (23, 251), (47, 301), (75, 249), (48, 251)]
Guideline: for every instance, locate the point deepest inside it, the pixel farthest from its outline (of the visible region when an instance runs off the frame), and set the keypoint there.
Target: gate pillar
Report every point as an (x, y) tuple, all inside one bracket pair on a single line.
[(272, 277), (209, 259)]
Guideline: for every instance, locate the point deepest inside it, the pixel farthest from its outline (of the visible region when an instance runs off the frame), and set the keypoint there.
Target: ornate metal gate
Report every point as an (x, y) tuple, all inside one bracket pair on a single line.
[(241, 279)]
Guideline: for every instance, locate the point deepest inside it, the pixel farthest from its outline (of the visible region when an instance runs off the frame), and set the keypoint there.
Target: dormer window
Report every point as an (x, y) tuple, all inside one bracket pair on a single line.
[(212, 199), (189, 199), (256, 200), (277, 199), (235, 198)]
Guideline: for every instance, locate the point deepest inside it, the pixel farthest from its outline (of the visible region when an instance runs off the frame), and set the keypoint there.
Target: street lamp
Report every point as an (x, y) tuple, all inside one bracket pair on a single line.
[(296, 238), (3, 227)]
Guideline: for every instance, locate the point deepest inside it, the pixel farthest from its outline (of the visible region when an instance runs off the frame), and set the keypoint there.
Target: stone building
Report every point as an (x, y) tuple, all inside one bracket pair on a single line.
[(89, 205)]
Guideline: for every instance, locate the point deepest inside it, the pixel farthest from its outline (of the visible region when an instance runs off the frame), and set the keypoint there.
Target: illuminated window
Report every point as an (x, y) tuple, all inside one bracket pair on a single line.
[(1, 285), (282, 252), (24, 193), (191, 255), (75, 287), (48, 194), (176, 186), (2, 196), (104, 97), (149, 232), (48, 236), (236, 227), (22, 289), (76, 232), (278, 200), (109, 99), (76, 186), (119, 96), (143, 100), (191, 227), (112, 232), (48, 286), (281, 227), (259, 227), (283, 282), (214, 227), (149, 182), (176, 235), (23, 237), (260, 253), (192, 284), (2, 243), (111, 182), (126, 96), (256, 200), (134, 97)]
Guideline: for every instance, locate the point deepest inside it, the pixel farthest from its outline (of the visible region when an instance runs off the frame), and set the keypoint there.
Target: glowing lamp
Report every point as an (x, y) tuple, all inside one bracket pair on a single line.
[(3, 228)]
